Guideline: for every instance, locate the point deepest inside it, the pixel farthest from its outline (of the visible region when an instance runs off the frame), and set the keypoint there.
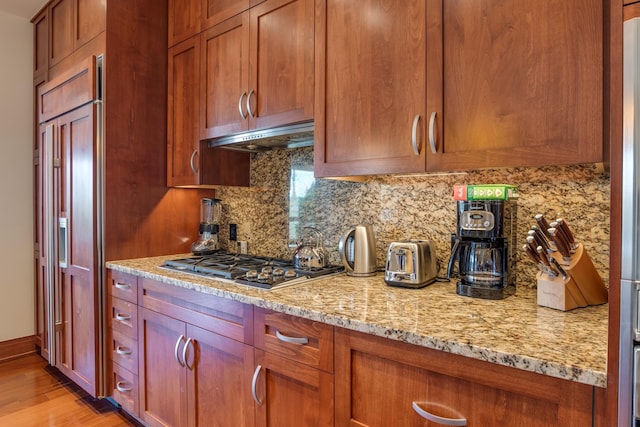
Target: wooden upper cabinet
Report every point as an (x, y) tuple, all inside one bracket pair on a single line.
[(90, 20), (282, 63), (370, 92), (72, 24), (475, 85), (257, 69), (515, 83), (184, 20), (182, 120), (189, 161), (224, 78), (61, 30), (41, 45)]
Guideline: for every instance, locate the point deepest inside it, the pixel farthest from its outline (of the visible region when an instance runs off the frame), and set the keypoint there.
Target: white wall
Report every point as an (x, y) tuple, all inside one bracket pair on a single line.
[(16, 178)]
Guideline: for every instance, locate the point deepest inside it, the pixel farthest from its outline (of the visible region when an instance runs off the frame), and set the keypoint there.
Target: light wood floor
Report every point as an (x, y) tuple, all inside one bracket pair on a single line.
[(31, 395)]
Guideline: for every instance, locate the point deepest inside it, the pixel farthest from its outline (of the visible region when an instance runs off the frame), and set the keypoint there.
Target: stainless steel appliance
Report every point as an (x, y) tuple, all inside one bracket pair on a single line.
[(310, 252), (257, 271), (629, 354), (357, 249), (411, 264), (484, 248), (208, 239)]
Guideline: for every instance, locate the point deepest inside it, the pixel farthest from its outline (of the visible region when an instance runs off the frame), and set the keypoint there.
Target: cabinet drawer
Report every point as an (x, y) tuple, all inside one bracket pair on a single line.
[(231, 319), (123, 286), (294, 338), (123, 317), (380, 382), (124, 386), (124, 351)]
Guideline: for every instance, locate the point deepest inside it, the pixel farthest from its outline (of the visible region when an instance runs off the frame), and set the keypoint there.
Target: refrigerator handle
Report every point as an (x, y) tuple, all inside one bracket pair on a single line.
[(49, 218)]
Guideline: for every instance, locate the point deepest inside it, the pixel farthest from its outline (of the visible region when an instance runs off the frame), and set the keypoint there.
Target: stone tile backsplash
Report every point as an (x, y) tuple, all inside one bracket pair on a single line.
[(406, 207)]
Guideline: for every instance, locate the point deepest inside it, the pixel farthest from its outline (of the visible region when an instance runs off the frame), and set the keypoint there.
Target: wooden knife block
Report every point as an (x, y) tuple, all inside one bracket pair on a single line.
[(581, 288)]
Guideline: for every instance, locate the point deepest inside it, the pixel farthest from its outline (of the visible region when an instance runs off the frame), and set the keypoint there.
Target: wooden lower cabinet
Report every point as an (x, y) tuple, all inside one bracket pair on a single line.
[(291, 394), (380, 382), (190, 376)]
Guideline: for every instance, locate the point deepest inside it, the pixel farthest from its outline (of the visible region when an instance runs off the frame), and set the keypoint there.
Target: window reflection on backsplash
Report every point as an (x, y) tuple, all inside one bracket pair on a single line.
[(283, 197), (301, 194)]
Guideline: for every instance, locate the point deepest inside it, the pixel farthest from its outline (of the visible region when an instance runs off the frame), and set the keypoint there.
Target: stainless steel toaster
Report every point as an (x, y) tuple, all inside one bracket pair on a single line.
[(411, 264)]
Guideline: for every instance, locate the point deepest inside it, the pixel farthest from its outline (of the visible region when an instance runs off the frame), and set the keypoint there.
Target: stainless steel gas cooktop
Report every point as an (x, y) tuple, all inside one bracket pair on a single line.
[(251, 270)]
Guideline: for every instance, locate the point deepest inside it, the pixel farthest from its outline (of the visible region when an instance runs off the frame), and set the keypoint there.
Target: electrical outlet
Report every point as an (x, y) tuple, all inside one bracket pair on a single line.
[(243, 247), (233, 232)]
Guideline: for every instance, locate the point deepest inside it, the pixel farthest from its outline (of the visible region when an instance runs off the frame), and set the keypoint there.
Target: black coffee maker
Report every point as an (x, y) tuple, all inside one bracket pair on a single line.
[(484, 248)]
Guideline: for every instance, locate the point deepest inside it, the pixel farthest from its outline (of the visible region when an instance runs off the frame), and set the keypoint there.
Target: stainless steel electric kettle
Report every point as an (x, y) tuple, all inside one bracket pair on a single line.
[(357, 249)]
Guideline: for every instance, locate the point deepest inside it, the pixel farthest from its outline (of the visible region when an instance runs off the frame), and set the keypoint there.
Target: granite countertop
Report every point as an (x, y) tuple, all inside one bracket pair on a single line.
[(513, 332)]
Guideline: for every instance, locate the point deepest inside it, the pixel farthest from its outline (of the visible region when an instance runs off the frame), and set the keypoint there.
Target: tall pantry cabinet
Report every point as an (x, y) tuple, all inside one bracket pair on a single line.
[(120, 153)]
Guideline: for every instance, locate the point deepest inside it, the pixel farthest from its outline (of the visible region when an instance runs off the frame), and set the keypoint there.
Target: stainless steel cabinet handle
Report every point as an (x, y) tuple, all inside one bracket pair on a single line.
[(192, 161), (185, 353), (292, 340), (253, 385), (122, 387), (123, 286), (242, 113), (175, 352), (432, 133), (123, 351), (123, 317), (436, 419), (417, 146), (249, 110)]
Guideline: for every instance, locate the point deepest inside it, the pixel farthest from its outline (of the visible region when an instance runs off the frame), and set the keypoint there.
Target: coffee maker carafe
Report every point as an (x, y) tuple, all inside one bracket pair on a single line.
[(208, 239), (484, 248)]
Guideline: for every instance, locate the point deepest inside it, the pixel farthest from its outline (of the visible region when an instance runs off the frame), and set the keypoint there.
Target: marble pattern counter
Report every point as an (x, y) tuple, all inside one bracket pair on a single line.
[(513, 332)]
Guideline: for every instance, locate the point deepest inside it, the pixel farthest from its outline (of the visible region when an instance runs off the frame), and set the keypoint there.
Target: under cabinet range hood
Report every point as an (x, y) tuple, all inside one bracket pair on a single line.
[(290, 136)]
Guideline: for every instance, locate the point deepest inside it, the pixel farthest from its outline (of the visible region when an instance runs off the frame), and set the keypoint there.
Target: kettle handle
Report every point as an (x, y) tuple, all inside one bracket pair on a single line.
[(342, 249), (454, 255)]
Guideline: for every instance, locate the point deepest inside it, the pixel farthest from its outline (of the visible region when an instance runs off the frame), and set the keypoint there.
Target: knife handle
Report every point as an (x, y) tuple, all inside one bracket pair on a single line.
[(564, 227), (561, 244), (542, 223), (540, 237)]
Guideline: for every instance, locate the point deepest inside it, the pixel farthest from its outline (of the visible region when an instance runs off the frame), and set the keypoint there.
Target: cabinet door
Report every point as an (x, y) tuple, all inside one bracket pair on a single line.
[(77, 255), (515, 83), (182, 120), (370, 92), (41, 45), (216, 11), (219, 380), (184, 20), (281, 83), (163, 380), (61, 30), (90, 20), (225, 78), (291, 394), (380, 382)]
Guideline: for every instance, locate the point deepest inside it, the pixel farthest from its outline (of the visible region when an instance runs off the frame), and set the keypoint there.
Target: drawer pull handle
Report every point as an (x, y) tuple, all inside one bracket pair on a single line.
[(414, 136), (254, 381), (123, 317), (185, 353), (436, 419), (292, 340), (122, 387), (122, 286), (175, 352), (123, 351)]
